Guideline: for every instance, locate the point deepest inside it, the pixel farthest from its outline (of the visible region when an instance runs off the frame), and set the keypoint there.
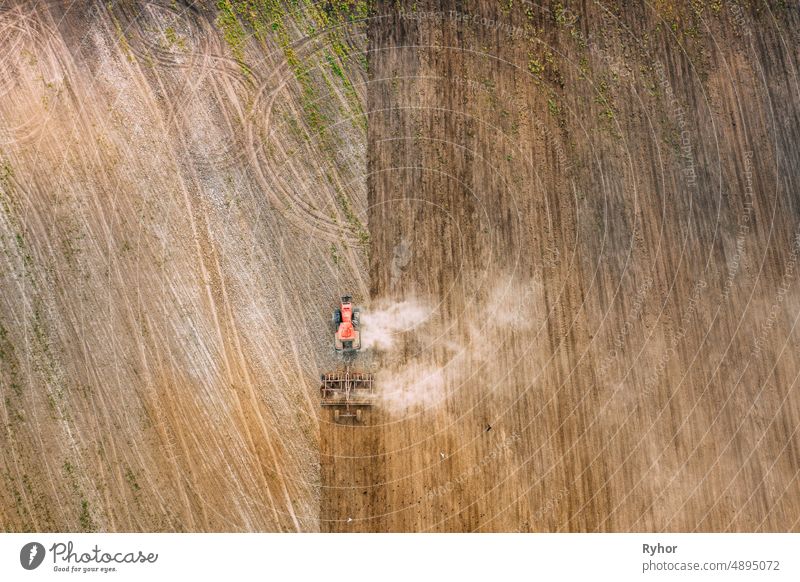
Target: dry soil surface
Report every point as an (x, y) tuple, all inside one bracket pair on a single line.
[(574, 228)]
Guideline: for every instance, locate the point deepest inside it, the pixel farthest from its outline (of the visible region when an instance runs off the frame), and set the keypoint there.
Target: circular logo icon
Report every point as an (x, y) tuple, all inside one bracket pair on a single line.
[(31, 555)]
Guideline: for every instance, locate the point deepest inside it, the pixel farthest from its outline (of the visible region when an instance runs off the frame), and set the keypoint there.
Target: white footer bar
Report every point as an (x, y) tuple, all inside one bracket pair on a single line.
[(382, 557)]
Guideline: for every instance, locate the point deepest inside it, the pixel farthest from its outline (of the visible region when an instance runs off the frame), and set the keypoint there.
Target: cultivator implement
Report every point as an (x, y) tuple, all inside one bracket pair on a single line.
[(348, 392)]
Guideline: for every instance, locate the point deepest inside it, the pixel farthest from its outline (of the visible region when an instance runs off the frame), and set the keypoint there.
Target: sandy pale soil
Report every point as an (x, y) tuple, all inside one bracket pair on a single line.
[(169, 255), (574, 229)]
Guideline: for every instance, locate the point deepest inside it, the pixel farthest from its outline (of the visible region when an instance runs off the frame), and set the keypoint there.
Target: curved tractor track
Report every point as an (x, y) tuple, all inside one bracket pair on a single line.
[(161, 317)]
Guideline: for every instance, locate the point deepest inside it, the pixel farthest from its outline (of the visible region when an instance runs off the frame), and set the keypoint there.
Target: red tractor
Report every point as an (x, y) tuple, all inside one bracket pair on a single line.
[(347, 337), (347, 391)]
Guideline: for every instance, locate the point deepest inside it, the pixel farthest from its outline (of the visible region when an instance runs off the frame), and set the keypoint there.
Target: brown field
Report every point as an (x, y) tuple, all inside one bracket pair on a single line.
[(577, 225)]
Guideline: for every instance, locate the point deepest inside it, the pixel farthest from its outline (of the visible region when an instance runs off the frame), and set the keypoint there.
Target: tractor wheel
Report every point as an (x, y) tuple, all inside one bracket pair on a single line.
[(337, 319), (356, 317)]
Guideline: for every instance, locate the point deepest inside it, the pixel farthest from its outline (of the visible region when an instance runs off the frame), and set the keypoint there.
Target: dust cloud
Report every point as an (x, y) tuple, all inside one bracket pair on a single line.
[(412, 374), (404, 382), (382, 326), (412, 385)]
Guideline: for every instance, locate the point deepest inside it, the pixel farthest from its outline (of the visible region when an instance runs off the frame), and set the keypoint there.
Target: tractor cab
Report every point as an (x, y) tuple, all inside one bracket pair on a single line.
[(347, 337)]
